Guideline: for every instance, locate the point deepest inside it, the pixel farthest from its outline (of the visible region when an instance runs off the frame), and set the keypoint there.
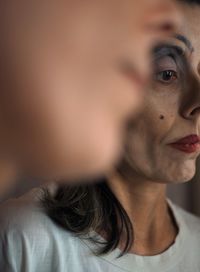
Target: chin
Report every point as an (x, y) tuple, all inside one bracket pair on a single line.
[(182, 178), (182, 174), (174, 173)]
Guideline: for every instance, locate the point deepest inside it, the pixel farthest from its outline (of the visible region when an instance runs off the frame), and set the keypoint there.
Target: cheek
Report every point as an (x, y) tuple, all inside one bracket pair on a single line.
[(159, 116), (159, 124), (162, 108), (151, 126), (145, 140), (165, 124)]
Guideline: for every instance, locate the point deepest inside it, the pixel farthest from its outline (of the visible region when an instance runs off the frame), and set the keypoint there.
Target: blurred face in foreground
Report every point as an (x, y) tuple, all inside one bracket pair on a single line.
[(71, 74)]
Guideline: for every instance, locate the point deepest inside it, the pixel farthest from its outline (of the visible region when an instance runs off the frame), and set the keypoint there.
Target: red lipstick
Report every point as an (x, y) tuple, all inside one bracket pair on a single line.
[(189, 144)]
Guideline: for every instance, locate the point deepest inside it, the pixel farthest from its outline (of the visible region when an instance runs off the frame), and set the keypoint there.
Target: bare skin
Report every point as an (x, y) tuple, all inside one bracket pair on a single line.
[(154, 228), (72, 73), (172, 111)]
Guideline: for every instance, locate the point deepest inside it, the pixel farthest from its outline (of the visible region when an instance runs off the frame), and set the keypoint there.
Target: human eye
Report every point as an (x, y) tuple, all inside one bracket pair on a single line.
[(166, 70), (166, 76)]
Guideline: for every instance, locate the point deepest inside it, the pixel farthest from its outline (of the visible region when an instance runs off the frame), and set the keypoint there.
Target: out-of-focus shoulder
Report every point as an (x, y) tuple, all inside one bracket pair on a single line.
[(25, 218), (22, 210), (27, 233)]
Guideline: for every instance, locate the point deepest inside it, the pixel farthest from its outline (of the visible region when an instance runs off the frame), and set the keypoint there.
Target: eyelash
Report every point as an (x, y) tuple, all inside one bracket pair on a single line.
[(177, 54), (172, 74)]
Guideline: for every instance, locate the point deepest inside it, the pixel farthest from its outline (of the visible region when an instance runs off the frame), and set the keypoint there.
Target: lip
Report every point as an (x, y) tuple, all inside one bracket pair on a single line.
[(188, 144)]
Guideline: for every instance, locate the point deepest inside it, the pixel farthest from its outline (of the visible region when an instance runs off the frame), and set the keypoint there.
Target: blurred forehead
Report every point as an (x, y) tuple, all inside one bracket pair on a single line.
[(65, 15), (71, 8), (86, 22), (114, 13)]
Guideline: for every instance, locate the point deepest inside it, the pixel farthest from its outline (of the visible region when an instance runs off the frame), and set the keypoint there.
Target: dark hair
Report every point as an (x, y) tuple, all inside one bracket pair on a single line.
[(80, 209)]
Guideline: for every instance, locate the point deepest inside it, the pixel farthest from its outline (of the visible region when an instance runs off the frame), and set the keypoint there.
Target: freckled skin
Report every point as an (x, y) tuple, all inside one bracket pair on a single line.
[(148, 154)]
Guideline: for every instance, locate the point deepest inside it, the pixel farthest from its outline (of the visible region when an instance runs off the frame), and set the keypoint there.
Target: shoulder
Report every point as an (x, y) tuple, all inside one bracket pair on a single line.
[(26, 232), (27, 215), (23, 213)]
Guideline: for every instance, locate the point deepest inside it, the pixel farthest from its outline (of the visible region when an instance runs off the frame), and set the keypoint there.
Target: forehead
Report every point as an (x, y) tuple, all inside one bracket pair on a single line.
[(65, 15), (190, 27)]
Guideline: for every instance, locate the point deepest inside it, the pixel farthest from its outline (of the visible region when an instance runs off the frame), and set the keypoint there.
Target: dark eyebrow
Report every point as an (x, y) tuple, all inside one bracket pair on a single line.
[(167, 50), (185, 41)]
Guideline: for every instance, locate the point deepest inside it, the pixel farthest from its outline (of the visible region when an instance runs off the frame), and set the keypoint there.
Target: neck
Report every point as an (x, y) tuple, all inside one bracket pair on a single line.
[(146, 205)]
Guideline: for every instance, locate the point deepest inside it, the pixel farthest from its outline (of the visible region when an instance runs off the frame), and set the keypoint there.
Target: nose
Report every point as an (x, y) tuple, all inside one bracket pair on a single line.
[(191, 101)]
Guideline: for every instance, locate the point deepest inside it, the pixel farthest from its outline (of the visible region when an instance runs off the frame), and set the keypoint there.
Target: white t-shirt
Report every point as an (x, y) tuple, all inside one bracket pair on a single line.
[(31, 242)]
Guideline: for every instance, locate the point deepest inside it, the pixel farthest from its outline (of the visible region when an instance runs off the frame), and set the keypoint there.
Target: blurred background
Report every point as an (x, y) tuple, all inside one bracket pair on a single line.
[(186, 195)]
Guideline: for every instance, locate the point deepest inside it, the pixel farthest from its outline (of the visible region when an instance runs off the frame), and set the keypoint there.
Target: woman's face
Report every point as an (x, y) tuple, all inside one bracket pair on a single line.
[(66, 94), (164, 142)]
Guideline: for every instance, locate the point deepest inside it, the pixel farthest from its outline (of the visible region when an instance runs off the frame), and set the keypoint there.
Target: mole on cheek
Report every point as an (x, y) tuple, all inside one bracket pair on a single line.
[(162, 117)]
